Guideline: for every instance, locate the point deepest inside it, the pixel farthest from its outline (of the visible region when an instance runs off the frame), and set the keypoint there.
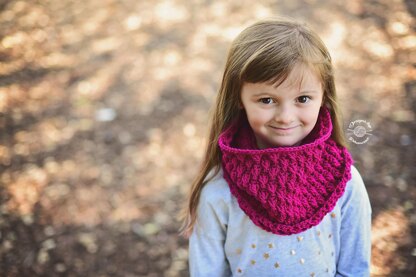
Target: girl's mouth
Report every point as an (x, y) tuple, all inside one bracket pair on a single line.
[(283, 130)]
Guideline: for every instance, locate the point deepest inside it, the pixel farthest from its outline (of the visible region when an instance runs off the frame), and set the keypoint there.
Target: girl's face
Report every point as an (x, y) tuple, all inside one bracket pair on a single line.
[(283, 115)]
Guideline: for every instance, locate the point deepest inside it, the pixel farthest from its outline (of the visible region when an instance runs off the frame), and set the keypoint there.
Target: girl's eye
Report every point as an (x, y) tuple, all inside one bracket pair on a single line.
[(266, 100), (303, 99)]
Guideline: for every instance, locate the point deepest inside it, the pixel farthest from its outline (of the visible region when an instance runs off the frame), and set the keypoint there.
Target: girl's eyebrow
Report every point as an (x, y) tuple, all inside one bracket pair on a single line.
[(309, 91), (269, 93)]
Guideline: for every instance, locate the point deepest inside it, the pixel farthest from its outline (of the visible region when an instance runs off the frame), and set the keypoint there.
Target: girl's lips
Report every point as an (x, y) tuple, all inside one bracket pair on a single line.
[(283, 131), (290, 128)]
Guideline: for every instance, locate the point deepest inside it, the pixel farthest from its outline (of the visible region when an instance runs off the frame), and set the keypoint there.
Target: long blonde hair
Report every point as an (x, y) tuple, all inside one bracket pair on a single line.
[(264, 52)]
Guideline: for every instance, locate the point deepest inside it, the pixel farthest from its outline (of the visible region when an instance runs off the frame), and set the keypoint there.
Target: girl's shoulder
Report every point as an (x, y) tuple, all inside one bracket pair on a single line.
[(355, 190), (356, 182), (216, 189)]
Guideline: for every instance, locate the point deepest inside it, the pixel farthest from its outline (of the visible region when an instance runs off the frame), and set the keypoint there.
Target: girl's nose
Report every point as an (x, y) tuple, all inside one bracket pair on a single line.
[(284, 116)]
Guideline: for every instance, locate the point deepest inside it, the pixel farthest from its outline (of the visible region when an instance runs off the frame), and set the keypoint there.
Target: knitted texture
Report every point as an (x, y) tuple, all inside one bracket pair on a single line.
[(285, 190)]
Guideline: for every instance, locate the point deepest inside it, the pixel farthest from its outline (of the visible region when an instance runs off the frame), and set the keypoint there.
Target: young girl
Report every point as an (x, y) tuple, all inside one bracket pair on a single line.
[(277, 194)]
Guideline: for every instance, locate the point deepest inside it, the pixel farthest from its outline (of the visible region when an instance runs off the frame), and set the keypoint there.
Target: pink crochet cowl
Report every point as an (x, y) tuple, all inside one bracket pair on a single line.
[(285, 190)]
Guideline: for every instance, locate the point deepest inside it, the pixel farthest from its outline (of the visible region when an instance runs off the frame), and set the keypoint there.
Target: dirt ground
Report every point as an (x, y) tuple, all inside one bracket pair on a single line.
[(103, 110)]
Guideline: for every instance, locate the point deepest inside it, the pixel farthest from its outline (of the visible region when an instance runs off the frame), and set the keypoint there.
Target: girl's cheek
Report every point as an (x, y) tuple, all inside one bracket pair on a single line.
[(261, 115)]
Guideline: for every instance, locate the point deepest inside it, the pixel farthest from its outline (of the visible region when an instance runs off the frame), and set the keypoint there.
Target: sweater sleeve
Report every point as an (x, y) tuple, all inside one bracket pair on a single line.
[(206, 244), (355, 236)]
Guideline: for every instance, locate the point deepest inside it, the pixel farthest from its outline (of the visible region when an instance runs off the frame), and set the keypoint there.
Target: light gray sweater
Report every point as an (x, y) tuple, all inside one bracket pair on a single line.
[(225, 242)]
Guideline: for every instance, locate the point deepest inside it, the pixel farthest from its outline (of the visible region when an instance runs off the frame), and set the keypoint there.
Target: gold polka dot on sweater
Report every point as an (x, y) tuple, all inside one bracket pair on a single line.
[(300, 238), (271, 245), (239, 270), (266, 255), (333, 215), (239, 251), (276, 265), (253, 262), (253, 246)]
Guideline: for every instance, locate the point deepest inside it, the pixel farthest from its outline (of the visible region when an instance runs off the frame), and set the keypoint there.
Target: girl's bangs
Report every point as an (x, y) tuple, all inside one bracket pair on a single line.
[(268, 68), (273, 66)]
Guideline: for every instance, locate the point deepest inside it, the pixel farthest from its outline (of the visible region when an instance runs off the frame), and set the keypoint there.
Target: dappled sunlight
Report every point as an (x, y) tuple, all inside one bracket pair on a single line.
[(5, 156), (86, 206), (95, 87), (105, 45), (25, 190), (390, 231), (167, 13), (377, 45), (335, 39)]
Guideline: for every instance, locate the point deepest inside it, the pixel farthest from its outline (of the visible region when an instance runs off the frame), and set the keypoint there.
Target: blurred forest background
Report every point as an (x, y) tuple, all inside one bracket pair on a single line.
[(103, 114)]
